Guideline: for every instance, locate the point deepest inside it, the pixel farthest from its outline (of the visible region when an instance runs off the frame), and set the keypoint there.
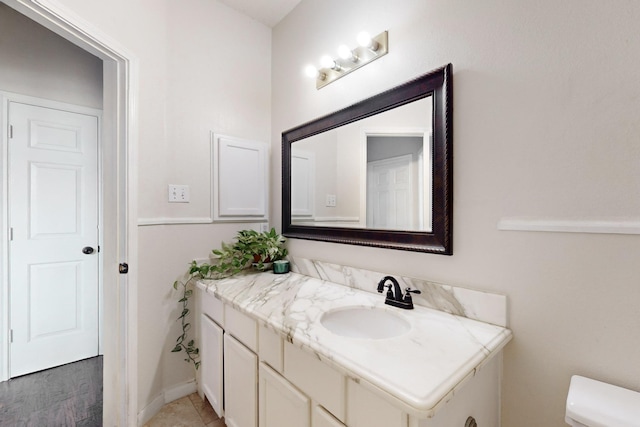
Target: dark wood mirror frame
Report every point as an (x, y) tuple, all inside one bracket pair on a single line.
[(436, 84)]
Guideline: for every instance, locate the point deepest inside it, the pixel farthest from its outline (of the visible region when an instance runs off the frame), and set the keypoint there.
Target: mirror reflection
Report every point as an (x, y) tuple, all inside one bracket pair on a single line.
[(373, 173), (376, 173)]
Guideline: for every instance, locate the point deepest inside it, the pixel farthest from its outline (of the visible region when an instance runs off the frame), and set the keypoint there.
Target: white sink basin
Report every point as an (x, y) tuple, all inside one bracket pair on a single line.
[(363, 322)]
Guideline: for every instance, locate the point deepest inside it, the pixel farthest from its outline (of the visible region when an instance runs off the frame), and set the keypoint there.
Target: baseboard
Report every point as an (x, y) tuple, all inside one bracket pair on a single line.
[(169, 395), (179, 391)]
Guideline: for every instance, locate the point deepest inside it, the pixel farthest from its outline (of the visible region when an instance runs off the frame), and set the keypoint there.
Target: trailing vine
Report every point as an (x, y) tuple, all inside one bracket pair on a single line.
[(196, 272)]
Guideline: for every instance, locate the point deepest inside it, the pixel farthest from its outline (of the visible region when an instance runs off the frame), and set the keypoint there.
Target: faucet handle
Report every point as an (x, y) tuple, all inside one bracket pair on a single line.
[(389, 291), (407, 295)]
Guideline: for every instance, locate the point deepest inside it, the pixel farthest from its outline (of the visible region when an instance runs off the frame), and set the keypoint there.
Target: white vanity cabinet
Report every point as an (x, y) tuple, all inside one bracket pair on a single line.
[(270, 381)]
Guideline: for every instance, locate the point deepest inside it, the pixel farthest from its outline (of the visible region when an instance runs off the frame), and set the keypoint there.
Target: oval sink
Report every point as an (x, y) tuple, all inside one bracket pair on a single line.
[(362, 322)]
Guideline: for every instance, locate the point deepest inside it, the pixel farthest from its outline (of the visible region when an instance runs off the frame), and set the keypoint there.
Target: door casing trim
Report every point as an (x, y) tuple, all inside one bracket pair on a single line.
[(120, 138)]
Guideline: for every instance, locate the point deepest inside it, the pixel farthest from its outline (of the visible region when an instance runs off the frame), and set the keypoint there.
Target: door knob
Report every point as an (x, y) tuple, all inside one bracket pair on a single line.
[(87, 250)]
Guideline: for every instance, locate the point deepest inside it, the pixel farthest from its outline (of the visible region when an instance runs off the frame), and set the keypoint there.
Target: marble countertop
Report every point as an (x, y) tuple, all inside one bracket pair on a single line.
[(421, 368)]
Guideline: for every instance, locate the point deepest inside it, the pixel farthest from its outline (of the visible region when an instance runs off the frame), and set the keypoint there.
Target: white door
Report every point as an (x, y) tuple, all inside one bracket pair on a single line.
[(390, 194), (53, 219)]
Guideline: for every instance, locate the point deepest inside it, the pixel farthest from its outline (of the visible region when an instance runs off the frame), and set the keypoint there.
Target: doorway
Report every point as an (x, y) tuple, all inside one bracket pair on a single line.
[(119, 243)]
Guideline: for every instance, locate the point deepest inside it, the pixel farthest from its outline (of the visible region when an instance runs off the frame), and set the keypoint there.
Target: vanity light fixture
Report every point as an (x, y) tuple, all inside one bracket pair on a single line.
[(369, 49)]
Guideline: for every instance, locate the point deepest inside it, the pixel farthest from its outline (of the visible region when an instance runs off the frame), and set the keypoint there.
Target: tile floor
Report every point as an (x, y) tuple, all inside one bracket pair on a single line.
[(189, 411)]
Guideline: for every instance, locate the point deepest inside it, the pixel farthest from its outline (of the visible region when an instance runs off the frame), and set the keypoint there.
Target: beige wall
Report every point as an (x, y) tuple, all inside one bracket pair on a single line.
[(546, 101)]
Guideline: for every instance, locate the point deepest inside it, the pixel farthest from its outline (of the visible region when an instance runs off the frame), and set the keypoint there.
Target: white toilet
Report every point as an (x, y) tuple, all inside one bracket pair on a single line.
[(592, 403)]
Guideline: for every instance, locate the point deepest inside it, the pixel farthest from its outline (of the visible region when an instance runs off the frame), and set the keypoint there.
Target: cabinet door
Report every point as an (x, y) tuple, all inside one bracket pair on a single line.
[(367, 409), (211, 362), (240, 384), (240, 188), (321, 418), (281, 404)]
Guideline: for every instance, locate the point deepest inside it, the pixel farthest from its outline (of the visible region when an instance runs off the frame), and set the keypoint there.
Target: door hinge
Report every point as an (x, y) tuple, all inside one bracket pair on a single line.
[(11, 234), (10, 131), (123, 268), (11, 335)]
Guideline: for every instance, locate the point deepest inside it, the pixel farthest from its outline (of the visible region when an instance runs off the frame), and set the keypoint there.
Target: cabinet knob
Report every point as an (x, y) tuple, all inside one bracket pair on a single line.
[(471, 422)]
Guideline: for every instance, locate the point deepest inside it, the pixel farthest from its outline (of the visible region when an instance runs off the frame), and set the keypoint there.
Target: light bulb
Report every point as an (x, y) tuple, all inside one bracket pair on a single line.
[(327, 62), (344, 52), (364, 39), (311, 71)]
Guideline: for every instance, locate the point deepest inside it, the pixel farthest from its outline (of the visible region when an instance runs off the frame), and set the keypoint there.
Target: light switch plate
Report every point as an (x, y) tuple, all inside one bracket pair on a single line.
[(178, 193)]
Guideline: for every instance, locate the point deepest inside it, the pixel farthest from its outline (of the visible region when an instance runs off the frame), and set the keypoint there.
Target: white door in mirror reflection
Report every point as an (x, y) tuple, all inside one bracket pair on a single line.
[(397, 181), (390, 204), (302, 183)]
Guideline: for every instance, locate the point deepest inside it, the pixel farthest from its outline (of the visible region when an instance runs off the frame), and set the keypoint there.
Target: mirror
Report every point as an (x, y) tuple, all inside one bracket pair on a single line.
[(377, 173)]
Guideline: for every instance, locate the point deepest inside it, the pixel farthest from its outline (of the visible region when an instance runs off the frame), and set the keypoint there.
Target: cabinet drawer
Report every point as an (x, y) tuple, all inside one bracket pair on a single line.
[(367, 409), (270, 345), (319, 381), (211, 306), (242, 327)]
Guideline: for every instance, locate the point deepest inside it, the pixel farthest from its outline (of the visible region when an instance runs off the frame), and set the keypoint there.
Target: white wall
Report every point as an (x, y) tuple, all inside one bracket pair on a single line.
[(203, 67), (546, 101), (35, 61)]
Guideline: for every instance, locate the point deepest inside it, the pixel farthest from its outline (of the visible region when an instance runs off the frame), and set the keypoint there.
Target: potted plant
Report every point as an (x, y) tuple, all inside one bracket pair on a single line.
[(259, 248), (250, 247)]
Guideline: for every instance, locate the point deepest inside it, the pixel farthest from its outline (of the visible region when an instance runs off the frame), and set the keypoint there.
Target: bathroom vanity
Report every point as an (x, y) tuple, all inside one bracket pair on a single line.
[(300, 350)]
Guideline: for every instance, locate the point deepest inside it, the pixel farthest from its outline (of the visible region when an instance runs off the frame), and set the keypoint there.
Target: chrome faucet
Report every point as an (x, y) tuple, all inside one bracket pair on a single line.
[(395, 297)]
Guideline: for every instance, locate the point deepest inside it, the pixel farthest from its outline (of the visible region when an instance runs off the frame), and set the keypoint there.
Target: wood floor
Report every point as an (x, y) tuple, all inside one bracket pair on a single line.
[(69, 395)]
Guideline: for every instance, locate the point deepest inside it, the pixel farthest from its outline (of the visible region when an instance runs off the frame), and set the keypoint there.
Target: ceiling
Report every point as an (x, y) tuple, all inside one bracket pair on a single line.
[(269, 12)]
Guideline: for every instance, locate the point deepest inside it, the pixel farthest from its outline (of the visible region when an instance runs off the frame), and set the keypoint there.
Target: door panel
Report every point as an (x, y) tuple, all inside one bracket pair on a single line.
[(55, 200), (44, 318), (53, 215), (389, 194)]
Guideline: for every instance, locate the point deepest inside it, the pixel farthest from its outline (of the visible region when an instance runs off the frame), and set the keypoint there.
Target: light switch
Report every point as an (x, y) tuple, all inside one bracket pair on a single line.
[(178, 193)]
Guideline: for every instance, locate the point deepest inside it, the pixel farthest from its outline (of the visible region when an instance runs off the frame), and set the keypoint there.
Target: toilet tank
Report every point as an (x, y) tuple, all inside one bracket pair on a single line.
[(593, 403)]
